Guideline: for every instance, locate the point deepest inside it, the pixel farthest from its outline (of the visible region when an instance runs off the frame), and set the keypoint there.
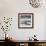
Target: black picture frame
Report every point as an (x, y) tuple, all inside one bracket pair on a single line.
[(25, 20)]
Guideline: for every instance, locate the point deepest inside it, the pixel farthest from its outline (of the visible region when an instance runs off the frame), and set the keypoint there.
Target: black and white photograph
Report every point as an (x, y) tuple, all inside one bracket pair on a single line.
[(25, 20)]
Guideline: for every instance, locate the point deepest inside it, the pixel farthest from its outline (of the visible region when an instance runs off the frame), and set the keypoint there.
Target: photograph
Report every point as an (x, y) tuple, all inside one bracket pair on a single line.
[(25, 20)]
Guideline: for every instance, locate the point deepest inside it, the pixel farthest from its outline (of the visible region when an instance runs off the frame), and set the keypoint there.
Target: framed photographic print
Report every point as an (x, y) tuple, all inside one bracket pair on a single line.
[(25, 20)]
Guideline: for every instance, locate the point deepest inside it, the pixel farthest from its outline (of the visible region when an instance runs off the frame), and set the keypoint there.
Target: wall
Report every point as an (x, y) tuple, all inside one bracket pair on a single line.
[(45, 28), (11, 8)]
